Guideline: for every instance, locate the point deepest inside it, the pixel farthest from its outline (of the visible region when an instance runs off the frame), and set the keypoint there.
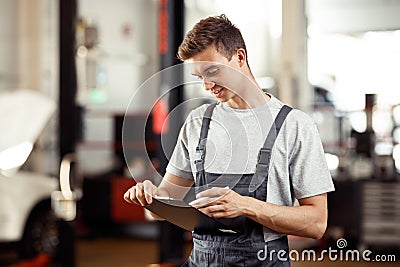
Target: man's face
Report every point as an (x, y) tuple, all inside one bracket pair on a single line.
[(216, 72)]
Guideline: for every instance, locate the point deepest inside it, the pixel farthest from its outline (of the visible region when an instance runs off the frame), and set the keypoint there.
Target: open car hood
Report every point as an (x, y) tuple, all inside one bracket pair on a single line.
[(23, 116)]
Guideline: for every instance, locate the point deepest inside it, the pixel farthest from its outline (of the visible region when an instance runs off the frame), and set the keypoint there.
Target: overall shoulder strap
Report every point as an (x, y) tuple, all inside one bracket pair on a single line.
[(275, 128), (264, 155), (201, 147), (206, 121)]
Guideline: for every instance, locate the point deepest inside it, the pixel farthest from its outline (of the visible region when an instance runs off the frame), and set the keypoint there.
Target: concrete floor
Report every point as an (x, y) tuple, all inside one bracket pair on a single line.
[(106, 252), (134, 252)]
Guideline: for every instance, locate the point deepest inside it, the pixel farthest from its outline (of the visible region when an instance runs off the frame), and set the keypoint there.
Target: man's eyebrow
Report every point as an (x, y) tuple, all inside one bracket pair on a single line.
[(205, 70), (195, 74)]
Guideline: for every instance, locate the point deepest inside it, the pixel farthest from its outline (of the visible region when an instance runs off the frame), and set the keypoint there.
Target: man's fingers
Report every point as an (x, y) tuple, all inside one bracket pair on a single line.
[(127, 196), (213, 192), (130, 196), (140, 194), (203, 201), (149, 191)]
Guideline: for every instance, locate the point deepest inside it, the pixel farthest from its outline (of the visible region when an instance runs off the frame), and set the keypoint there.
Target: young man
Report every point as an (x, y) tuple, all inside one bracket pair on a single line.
[(250, 154)]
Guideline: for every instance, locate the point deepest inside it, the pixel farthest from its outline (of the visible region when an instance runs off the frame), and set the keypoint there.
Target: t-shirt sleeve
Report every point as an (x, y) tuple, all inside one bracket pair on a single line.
[(179, 163), (307, 166)]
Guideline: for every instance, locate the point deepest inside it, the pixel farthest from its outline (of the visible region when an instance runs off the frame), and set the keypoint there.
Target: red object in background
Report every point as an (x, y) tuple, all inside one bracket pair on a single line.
[(41, 260), (160, 118), (163, 27), (121, 211)]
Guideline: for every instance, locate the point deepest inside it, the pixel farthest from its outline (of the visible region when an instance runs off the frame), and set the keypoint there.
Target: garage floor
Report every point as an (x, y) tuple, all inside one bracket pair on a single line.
[(139, 252), (116, 252)]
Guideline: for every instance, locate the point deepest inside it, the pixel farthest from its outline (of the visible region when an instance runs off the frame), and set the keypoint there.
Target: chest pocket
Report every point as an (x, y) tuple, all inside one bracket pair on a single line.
[(238, 183)]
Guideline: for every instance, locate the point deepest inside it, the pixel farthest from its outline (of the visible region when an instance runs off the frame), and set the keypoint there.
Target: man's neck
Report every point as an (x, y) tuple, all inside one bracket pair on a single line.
[(251, 97)]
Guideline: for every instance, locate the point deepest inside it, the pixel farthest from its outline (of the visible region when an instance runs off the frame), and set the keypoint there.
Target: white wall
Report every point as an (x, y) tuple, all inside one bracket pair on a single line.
[(128, 59), (8, 44), (128, 55), (355, 16)]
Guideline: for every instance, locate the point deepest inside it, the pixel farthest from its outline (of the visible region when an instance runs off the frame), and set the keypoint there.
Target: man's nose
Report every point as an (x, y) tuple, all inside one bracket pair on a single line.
[(208, 85)]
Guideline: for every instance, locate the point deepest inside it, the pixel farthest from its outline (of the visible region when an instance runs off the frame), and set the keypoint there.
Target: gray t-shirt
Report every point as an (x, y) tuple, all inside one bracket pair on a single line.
[(297, 170)]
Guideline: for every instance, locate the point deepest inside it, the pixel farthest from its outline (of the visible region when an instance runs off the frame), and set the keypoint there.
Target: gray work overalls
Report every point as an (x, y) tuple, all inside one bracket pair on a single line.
[(247, 248)]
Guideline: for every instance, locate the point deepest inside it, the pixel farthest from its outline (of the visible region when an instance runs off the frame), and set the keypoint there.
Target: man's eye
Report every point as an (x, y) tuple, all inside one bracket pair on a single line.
[(199, 77), (212, 71)]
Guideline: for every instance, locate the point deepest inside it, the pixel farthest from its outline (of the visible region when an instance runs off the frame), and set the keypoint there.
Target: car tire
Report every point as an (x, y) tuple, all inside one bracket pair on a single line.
[(41, 234)]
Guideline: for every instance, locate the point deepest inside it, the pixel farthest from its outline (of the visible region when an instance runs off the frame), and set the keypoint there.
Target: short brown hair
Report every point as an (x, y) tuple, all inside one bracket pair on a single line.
[(218, 31)]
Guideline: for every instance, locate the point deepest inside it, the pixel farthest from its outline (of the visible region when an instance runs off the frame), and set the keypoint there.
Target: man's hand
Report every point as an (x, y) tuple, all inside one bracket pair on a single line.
[(308, 220), (142, 193), (221, 203)]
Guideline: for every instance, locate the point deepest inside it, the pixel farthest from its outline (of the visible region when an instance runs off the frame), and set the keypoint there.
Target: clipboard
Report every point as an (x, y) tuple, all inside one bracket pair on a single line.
[(185, 216)]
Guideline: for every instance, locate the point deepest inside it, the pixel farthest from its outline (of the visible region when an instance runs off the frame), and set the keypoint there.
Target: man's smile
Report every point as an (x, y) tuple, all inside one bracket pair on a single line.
[(217, 91)]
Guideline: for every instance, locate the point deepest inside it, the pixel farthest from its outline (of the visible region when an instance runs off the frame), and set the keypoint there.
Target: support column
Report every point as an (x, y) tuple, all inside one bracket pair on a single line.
[(171, 25), (68, 117), (294, 88), (69, 112)]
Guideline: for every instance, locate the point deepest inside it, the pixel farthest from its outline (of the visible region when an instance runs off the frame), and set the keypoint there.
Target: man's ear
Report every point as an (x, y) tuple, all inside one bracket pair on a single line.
[(241, 56)]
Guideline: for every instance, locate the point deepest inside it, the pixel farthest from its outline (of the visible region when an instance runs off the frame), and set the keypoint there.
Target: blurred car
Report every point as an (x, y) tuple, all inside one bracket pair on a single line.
[(26, 217)]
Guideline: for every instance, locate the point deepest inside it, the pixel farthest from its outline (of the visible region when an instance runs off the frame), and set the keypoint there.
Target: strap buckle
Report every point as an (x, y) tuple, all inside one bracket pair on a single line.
[(199, 155), (264, 156)]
